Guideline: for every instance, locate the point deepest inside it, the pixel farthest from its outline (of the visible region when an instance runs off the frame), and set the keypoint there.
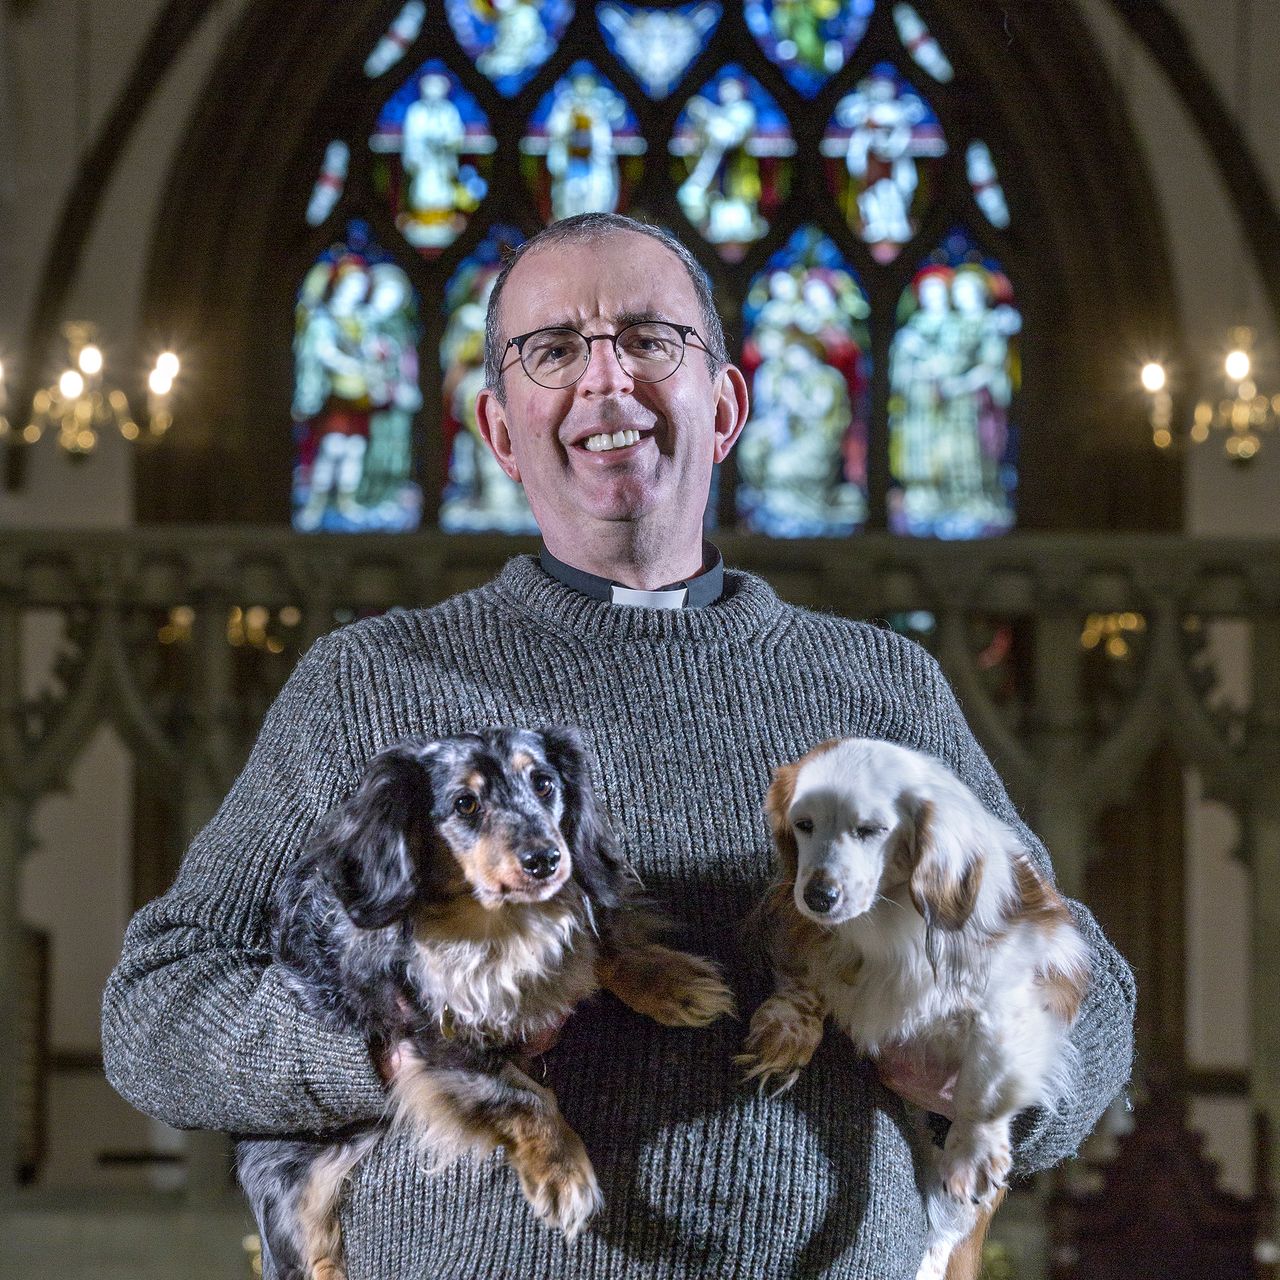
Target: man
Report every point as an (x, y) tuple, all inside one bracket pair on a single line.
[(688, 701)]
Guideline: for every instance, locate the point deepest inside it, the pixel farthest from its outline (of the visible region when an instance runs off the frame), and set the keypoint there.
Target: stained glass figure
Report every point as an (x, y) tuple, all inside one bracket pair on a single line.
[(657, 45), (509, 39), (582, 151), (953, 374), (332, 179), (732, 148), (432, 149), (478, 493), (985, 182), (882, 149), (356, 390), (809, 39), (925, 51), (395, 43), (802, 456)]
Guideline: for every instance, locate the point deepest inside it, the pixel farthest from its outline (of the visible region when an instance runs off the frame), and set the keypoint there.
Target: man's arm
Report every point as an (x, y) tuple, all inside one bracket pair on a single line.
[(198, 1028), (1102, 1036)]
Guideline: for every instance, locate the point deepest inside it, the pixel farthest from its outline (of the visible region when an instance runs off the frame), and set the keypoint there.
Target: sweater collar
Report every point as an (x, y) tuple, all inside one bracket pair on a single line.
[(747, 606), (691, 593)]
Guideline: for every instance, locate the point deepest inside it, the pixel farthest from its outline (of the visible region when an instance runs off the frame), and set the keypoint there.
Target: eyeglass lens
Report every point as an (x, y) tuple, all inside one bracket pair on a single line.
[(648, 351)]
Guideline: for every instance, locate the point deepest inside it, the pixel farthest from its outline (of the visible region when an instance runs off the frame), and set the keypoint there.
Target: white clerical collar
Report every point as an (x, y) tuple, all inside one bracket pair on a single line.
[(705, 588)]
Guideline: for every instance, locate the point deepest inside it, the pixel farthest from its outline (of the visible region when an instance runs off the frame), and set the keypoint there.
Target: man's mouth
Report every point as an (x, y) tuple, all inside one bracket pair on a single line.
[(605, 441)]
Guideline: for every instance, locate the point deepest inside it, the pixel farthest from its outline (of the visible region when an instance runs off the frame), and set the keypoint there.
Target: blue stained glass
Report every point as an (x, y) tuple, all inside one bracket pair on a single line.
[(733, 152), (432, 147), (657, 45), (954, 371), (478, 494), (582, 151), (509, 39), (356, 390), (802, 455), (882, 152), (809, 39)]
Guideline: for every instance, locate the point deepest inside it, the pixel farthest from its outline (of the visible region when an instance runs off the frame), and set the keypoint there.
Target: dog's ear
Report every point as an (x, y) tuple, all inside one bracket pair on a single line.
[(946, 871), (597, 864), (777, 805), (367, 848)]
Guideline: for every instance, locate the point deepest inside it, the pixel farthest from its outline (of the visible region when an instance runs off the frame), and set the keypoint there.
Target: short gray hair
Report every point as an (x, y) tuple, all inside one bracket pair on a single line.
[(595, 226)]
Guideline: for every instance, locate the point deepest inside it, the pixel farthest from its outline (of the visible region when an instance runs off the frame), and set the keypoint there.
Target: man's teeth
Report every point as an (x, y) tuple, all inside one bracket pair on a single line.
[(618, 440)]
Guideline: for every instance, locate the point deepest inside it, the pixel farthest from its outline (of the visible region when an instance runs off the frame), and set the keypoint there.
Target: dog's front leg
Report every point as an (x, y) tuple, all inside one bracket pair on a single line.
[(669, 986), (990, 1088), (785, 1031), (455, 1111)]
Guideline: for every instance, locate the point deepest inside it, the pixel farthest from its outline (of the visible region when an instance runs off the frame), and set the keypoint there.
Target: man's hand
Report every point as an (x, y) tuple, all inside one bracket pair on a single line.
[(921, 1084)]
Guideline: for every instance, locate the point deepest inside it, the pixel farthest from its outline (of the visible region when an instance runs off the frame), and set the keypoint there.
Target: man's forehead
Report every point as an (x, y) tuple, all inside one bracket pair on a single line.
[(617, 277)]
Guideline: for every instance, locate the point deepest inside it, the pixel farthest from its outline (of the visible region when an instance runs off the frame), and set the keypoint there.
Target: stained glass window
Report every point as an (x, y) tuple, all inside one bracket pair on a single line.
[(356, 390), (433, 149), (657, 45), (802, 455), (733, 150), (509, 39), (883, 146), (864, 259), (478, 494), (809, 39), (582, 151), (953, 372)]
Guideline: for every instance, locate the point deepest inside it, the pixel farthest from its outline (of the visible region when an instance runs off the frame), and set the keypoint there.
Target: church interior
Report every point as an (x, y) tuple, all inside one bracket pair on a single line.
[(1004, 280)]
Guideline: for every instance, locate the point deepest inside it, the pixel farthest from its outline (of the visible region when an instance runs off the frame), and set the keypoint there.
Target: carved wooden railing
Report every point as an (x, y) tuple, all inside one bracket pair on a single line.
[(177, 638)]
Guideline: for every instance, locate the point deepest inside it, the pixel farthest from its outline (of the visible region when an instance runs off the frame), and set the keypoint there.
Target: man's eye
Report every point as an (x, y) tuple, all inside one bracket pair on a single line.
[(466, 806), (805, 825), (543, 785)]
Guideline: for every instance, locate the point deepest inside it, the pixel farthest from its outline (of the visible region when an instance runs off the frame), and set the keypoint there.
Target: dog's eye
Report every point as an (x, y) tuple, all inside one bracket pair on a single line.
[(466, 805), (805, 825), (544, 785), (867, 830)]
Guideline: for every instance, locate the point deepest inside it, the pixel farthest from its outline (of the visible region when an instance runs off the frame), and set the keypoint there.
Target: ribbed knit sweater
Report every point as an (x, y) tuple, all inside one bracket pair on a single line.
[(687, 712)]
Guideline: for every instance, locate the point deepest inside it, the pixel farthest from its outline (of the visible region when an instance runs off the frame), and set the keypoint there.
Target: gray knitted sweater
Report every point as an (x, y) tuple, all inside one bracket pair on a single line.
[(687, 712)]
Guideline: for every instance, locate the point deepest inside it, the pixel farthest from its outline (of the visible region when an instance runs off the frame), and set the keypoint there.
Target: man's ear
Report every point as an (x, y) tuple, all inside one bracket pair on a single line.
[(491, 421), (732, 405)]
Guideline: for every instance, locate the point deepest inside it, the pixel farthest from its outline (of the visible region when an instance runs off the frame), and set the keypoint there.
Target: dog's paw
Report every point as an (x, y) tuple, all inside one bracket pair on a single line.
[(559, 1182), (975, 1163), (671, 987), (779, 1044)]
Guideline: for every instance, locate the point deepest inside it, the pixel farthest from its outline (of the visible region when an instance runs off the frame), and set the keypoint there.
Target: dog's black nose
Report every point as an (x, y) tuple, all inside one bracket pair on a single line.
[(821, 894), (540, 863)]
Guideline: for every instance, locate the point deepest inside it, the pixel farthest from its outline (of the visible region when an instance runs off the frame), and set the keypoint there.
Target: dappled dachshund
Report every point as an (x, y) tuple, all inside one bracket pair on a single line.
[(457, 908), (923, 927)]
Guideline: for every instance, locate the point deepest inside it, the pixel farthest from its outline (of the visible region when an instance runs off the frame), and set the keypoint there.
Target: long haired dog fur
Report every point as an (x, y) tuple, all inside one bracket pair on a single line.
[(459, 905), (921, 926)]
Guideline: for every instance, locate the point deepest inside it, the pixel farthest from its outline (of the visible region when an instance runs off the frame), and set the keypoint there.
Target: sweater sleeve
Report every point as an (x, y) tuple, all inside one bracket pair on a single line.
[(1102, 1036), (198, 1028)]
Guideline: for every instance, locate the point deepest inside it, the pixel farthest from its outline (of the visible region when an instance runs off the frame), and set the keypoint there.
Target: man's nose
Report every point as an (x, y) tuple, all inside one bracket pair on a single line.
[(604, 374)]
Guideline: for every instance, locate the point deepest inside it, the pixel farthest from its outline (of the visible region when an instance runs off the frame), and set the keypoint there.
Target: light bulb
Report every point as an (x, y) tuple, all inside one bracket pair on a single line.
[(90, 359), (160, 383), (167, 364), (1237, 365), (71, 385), (1153, 376)]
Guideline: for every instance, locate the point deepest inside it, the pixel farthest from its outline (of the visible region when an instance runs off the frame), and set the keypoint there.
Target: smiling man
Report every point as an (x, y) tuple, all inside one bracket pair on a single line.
[(610, 400)]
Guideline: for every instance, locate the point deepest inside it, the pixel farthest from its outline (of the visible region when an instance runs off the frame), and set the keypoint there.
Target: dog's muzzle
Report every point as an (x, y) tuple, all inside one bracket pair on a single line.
[(539, 864), (822, 893)]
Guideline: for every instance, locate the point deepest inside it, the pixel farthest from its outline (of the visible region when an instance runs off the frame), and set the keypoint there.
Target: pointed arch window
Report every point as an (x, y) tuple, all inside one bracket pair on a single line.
[(822, 158)]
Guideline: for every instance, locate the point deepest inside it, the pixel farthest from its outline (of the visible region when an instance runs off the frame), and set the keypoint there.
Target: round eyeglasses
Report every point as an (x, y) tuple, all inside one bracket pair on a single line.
[(648, 351)]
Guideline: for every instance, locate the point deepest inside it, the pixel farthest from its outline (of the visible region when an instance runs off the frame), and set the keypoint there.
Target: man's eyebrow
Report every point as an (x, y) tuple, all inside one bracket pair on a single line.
[(636, 317)]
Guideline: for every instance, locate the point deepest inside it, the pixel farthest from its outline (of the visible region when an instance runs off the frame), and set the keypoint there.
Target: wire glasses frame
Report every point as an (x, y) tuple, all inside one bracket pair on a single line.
[(648, 351)]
